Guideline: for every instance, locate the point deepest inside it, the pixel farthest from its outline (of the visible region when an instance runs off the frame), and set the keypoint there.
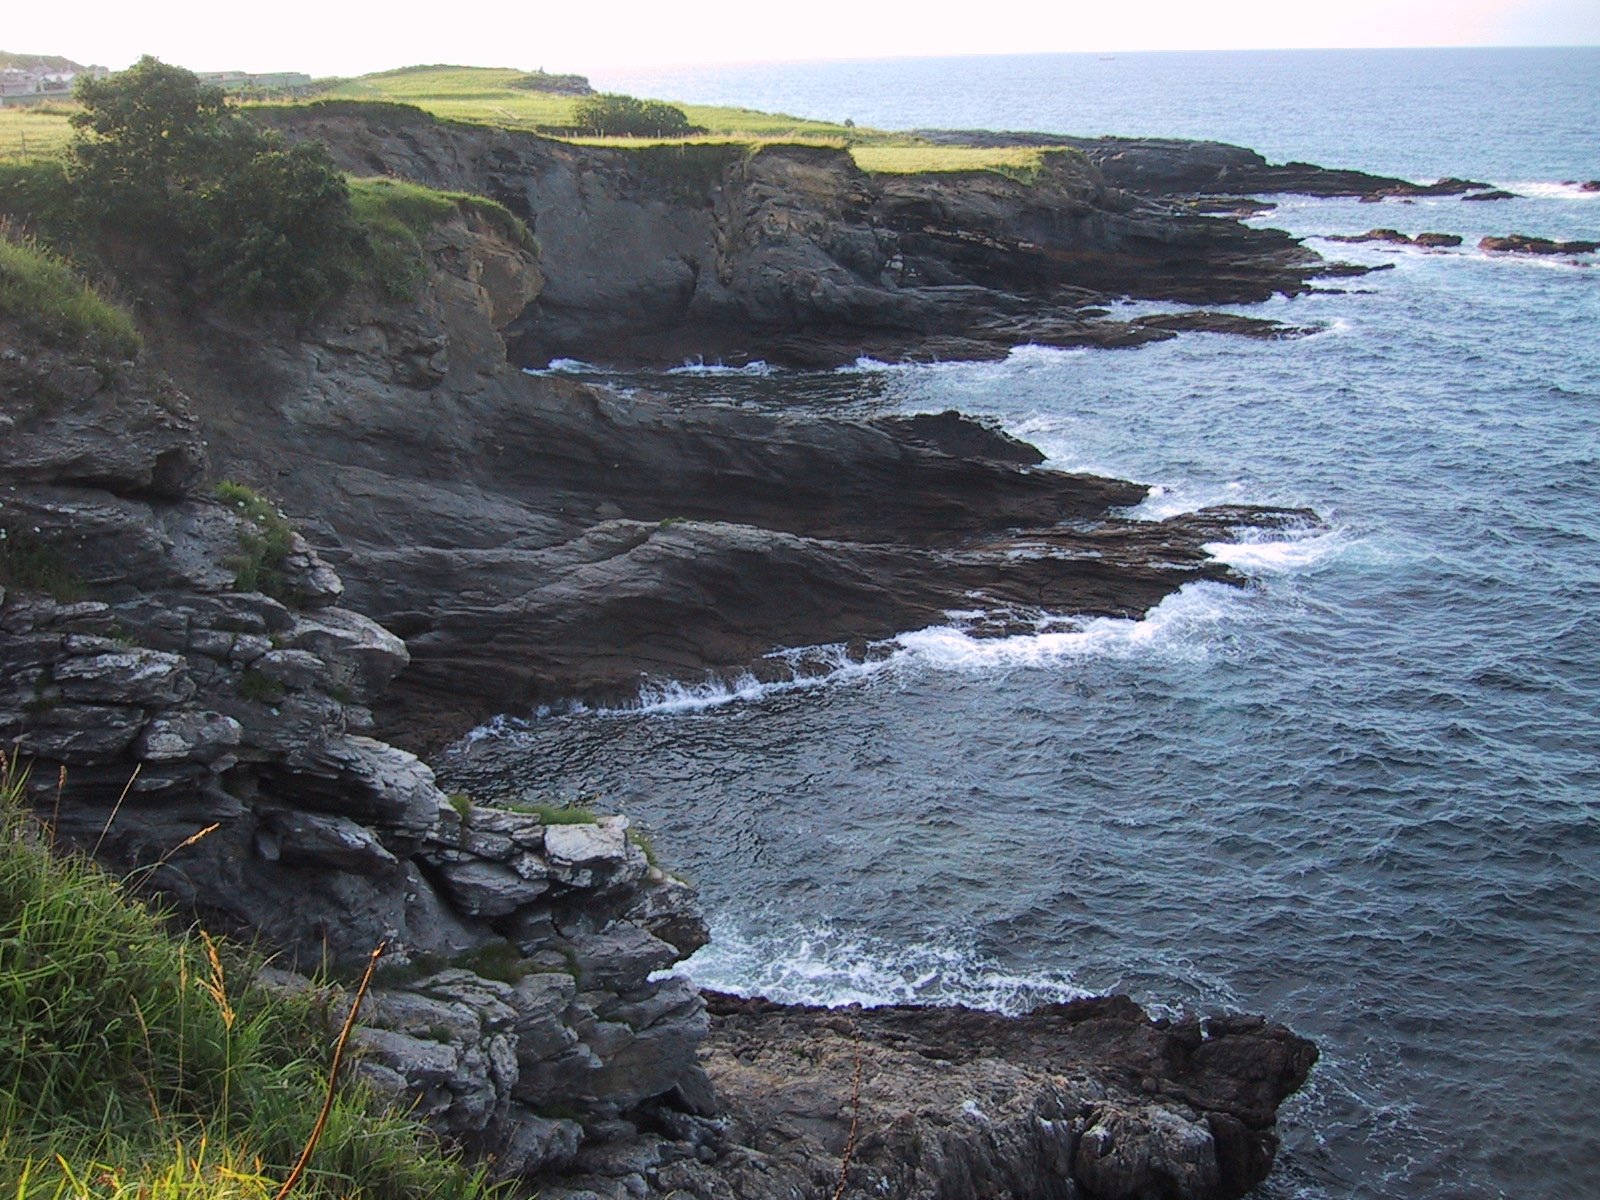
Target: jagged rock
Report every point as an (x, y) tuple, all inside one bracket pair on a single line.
[(531, 534), (1184, 167), (1393, 236), (794, 255), (360, 656), (593, 855), (1131, 1153), (1079, 1099), (1491, 194), (311, 839), (488, 889), (202, 736), (73, 423), (296, 669), (1437, 240), (1521, 243), (619, 959), (533, 1145)]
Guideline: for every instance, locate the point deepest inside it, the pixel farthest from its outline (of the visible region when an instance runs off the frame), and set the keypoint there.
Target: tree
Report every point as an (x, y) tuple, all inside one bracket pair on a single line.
[(253, 219), (609, 115), (147, 141)]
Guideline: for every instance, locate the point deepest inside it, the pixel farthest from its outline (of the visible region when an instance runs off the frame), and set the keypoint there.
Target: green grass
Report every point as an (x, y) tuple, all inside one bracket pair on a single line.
[(39, 289), (1016, 161), (396, 215), (489, 96), (555, 814), (139, 1063), (37, 131), (264, 543)]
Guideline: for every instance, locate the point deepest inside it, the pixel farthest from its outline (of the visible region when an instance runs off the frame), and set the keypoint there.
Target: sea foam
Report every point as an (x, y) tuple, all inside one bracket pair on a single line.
[(818, 964)]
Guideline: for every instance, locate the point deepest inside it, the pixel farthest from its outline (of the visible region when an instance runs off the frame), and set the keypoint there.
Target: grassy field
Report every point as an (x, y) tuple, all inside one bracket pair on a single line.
[(486, 96), (33, 132), (1019, 162)]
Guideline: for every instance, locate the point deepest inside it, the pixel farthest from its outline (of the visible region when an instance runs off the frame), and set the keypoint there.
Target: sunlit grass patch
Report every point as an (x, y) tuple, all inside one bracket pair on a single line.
[(40, 290), (1019, 162)]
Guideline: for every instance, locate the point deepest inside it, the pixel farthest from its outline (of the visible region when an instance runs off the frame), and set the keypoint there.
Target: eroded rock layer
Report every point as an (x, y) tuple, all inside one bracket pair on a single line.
[(793, 255)]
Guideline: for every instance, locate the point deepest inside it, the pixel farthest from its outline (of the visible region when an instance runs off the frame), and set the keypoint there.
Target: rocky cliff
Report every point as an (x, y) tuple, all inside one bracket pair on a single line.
[(535, 540), (793, 255), (213, 748), (530, 538), (1184, 167)]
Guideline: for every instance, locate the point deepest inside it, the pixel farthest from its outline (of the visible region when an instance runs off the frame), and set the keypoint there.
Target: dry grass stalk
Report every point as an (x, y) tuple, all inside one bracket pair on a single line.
[(333, 1074)]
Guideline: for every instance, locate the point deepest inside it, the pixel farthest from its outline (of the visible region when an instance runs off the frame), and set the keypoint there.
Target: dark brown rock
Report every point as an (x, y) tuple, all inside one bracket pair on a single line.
[(1373, 235), (1491, 194), (1521, 243), (953, 1102), (1436, 241)]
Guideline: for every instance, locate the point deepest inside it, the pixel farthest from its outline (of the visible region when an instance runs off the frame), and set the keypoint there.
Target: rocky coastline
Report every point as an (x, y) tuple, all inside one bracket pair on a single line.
[(473, 539)]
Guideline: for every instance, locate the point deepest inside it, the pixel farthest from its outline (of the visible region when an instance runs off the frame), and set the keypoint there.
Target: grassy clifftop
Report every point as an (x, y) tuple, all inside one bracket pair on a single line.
[(501, 97), (494, 96)]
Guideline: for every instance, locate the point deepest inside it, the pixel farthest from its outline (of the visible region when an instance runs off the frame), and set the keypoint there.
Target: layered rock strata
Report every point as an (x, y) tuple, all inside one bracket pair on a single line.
[(793, 255), (211, 745), (530, 537)]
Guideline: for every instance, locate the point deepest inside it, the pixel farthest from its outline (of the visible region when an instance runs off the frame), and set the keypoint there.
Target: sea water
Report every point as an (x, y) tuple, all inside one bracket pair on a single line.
[(1361, 795)]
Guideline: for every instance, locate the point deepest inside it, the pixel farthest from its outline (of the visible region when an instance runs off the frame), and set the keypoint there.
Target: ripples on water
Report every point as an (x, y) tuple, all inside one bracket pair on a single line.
[(1359, 795)]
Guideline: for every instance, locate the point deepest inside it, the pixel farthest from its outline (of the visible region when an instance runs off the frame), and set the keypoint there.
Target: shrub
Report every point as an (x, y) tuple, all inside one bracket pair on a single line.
[(281, 233), (394, 215), (545, 81), (608, 115), (255, 221)]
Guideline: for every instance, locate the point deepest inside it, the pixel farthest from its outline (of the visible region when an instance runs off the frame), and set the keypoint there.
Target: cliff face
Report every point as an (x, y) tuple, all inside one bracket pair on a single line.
[(536, 540), (215, 751), (531, 537), (793, 255)]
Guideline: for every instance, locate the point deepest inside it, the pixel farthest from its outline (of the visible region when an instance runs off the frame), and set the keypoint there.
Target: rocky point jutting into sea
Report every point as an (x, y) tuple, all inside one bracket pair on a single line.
[(473, 539)]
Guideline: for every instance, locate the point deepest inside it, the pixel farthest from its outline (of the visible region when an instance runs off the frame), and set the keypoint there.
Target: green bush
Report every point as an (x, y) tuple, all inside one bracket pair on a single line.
[(608, 115), (255, 221), (265, 541), (545, 81), (40, 290), (136, 1063)]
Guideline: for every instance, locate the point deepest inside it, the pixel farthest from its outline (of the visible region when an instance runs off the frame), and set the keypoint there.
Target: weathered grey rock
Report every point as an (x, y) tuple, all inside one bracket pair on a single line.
[(1130, 1153), (533, 1145), (620, 958), (359, 655), (297, 669), (488, 889), (202, 736), (594, 855), (132, 677), (314, 839), (75, 734)]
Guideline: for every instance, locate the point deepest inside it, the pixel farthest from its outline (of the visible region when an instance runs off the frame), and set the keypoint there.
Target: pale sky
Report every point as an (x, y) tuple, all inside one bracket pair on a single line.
[(337, 38)]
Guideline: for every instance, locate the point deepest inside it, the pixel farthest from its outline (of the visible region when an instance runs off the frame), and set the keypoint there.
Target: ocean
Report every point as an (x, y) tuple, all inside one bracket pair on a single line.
[(1361, 795)]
